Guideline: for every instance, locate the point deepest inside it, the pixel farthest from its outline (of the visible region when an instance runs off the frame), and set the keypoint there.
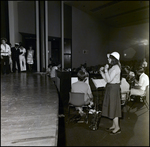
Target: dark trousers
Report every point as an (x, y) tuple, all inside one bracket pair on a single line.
[(5, 65), (14, 64)]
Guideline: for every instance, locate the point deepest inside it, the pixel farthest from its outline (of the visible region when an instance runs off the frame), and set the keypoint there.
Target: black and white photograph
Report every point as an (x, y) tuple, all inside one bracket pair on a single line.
[(74, 73)]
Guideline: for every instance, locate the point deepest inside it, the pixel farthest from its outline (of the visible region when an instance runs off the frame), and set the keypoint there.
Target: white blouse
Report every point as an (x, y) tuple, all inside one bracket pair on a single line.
[(113, 75), (5, 51)]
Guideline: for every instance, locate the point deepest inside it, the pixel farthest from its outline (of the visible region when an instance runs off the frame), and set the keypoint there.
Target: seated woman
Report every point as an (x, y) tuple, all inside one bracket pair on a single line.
[(130, 76), (82, 87), (124, 85), (83, 68), (140, 86)]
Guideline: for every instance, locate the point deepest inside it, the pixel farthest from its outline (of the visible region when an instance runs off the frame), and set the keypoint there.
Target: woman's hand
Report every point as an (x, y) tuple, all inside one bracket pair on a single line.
[(106, 68), (101, 69)]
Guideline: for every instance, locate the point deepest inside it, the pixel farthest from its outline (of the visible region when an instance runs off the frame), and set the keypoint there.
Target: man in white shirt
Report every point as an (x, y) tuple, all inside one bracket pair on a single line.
[(140, 85), (5, 54)]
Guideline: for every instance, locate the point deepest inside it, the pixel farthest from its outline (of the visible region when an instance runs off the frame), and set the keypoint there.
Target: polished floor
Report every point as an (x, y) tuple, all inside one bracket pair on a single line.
[(29, 110), (29, 117)]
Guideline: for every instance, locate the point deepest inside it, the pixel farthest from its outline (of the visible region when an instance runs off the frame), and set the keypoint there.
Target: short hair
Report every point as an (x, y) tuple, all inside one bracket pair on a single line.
[(81, 75), (83, 65), (49, 65), (128, 67), (140, 69), (4, 39)]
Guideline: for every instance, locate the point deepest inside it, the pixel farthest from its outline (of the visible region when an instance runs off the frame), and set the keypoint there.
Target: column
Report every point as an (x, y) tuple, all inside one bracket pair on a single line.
[(62, 33), (42, 35), (46, 32), (37, 37)]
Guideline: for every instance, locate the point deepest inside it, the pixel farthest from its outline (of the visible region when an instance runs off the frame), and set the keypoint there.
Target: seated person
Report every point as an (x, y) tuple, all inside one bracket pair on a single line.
[(53, 71), (124, 85), (140, 86), (48, 70), (83, 68), (130, 76), (82, 87), (144, 63)]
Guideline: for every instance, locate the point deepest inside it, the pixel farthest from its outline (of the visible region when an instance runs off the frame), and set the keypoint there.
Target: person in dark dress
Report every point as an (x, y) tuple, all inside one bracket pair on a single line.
[(15, 57), (112, 102)]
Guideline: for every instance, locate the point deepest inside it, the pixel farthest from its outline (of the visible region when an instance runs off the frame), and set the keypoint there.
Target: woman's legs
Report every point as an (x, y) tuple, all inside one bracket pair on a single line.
[(30, 67), (115, 124)]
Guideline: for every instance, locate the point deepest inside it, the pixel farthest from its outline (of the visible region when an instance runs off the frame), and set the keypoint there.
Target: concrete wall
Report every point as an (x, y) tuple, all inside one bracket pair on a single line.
[(4, 20), (88, 34), (13, 23), (26, 17), (54, 24), (128, 39)]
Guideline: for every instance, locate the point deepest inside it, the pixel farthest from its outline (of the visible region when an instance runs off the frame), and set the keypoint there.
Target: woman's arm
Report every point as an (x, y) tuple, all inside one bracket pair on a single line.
[(110, 75), (102, 73)]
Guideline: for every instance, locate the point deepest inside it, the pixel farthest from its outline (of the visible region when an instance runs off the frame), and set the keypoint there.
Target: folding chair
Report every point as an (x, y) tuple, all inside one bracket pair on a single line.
[(143, 97), (77, 100), (124, 100), (124, 92)]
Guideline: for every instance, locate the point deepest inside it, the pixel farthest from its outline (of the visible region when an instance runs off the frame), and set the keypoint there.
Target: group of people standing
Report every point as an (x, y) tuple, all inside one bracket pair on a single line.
[(14, 58)]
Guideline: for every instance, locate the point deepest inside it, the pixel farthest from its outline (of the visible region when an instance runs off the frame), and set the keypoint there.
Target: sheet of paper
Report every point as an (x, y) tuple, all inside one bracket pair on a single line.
[(74, 79), (99, 82)]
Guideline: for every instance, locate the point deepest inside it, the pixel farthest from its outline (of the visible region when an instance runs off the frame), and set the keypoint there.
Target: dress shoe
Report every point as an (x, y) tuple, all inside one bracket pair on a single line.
[(115, 133), (109, 129)]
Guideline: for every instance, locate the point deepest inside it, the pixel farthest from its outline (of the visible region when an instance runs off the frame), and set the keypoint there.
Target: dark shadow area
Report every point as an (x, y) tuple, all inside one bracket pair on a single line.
[(61, 124), (80, 134)]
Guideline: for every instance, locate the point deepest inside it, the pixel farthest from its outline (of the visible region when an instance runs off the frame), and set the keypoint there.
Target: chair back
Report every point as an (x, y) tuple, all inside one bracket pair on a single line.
[(76, 99), (147, 93)]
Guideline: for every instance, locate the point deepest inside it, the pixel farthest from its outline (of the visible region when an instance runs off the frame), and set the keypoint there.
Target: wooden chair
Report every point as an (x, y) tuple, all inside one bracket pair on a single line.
[(77, 100)]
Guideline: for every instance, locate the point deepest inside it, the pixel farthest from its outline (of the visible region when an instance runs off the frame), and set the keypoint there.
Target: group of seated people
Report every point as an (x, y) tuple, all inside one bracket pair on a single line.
[(135, 83)]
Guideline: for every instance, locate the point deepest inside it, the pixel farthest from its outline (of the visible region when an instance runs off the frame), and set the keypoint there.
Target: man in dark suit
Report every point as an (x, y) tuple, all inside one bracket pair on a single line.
[(15, 57)]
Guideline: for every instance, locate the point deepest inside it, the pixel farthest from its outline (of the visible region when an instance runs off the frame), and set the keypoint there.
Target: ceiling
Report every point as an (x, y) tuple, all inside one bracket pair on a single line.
[(115, 13)]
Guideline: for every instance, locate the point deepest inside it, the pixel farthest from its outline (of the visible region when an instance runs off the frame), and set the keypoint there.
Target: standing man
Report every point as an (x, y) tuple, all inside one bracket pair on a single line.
[(15, 57), (5, 54)]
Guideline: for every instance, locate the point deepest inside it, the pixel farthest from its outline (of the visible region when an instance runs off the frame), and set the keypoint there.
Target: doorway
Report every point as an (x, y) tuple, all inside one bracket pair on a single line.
[(27, 41), (55, 50)]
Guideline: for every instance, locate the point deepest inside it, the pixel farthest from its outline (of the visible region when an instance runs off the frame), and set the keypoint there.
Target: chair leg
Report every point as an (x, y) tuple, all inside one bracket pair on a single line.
[(68, 119), (87, 116), (146, 103)]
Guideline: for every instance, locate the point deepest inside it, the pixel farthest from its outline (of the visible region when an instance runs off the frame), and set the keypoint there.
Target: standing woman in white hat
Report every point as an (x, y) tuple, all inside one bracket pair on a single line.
[(112, 104)]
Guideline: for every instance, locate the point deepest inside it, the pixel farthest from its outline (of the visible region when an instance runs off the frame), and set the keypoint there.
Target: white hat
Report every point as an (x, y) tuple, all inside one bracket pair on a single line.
[(115, 54), (16, 43)]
